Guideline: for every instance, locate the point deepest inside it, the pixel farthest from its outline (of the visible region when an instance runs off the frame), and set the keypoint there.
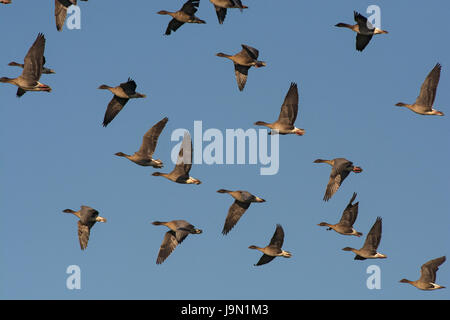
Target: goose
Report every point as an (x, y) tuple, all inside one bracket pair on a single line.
[(185, 15), (427, 275), (288, 115), (32, 70), (144, 156), (221, 7), (369, 249), (243, 61), (274, 248), (179, 230), (242, 201), (345, 225), (425, 100), (180, 174), (122, 93), (341, 169), (44, 69), (61, 11), (88, 217), (364, 29), (5, 1)]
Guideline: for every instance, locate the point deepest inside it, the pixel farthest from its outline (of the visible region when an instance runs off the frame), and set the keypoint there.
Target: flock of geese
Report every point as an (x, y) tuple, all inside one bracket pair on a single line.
[(33, 67)]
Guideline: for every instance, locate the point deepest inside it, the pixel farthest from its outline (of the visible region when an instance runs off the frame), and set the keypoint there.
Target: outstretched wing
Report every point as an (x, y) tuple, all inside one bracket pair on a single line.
[(221, 13), (32, 69), (129, 87), (184, 161), (235, 212), (264, 259), (278, 237), (252, 52), (115, 105), (190, 7), (241, 73), (61, 12), (289, 109), (362, 41), (150, 138), (350, 213), (374, 236), (173, 25), (429, 87), (429, 269), (168, 244)]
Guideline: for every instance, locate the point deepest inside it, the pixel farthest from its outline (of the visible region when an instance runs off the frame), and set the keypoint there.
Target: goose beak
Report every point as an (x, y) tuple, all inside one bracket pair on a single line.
[(357, 169), (259, 199), (100, 219)]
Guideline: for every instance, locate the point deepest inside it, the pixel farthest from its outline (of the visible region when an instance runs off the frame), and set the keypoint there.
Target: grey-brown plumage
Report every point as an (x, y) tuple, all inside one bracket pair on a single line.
[(427, 275), (179, 230), (243, 61), (221, 7), (44, 69), (364, 29), (185, 15), (274, 249), (122, 93), (341, 168), (369, 249), (144, 156), (242, 202), (32, 69), (425, 100), (180, 174), (345, 225), (61, 11), (88, 217), (288, 115)]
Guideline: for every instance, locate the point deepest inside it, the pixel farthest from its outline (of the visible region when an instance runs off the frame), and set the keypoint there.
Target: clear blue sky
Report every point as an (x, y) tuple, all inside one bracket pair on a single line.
[(55, 154)]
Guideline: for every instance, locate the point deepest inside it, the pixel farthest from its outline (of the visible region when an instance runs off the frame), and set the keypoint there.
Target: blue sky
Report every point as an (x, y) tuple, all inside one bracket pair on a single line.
[(55, 153)]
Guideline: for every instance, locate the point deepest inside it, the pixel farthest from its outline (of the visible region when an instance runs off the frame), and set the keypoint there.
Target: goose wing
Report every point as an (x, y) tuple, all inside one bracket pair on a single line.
[(429, 87), (429, 269), (289, 109), (184, 161), (150, 139), (115, 105), (32, 69), (241, 73), (235, 212), (374, 236), (350, 213)]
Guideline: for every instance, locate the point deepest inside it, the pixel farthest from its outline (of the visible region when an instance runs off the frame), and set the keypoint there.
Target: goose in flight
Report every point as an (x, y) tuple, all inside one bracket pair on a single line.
[(61, 11), (88, 217), (345, 225), (364, 29), (288, 115), (341, 168), (425, 100), (44, 69), (32, 70), (5, 1), (243, 61), (369, 249), (185, 15), (144, 156), (179, 230), (122, 93), (221, 7), (180, 174), (274, 249), (427, 275), (242, 201)]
